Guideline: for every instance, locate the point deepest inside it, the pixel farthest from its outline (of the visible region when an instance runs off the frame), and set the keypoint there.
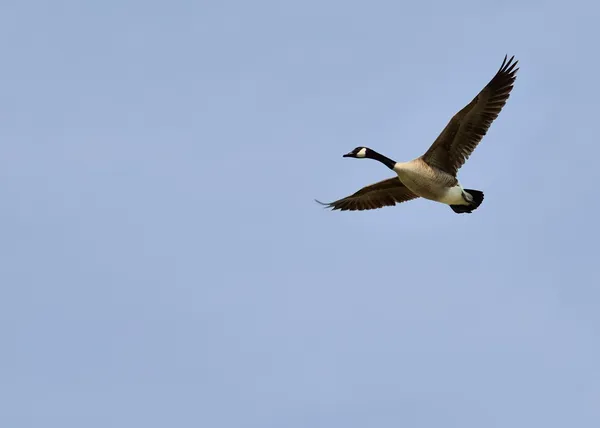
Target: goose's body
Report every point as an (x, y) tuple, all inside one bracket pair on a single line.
[(433, 176), (429, 182)]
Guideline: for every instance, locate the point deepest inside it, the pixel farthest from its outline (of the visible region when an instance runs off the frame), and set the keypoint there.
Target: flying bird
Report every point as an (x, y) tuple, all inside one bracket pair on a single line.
[(433, 175)]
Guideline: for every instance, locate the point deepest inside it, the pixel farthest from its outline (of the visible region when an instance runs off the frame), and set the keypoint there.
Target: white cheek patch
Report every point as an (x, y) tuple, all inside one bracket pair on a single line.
[(361, 153)]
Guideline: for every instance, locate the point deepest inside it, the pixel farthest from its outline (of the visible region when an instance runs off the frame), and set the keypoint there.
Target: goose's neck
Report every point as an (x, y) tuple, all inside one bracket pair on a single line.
[(383, 159)]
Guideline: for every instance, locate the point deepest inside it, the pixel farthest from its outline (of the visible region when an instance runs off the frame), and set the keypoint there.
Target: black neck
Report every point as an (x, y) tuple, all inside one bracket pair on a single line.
[(372, 154)]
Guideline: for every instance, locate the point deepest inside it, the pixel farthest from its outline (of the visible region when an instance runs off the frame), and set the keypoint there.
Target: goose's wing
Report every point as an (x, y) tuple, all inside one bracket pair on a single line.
[(466, 129), (384, 193)]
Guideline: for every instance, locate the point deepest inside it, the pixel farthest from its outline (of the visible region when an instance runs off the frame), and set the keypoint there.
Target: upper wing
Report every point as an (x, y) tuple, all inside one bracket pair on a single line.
[(384, 193), (466, 129)]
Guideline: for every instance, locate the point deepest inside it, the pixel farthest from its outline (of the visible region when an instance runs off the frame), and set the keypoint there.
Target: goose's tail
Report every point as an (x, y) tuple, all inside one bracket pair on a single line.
[(473, 197)]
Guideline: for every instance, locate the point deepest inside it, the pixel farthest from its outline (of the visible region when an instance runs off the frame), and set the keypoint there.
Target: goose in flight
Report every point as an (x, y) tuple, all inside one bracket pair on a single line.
[(433, 175)]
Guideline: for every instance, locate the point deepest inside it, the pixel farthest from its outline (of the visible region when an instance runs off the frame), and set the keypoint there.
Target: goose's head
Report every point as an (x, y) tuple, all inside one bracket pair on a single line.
[(359, 152)]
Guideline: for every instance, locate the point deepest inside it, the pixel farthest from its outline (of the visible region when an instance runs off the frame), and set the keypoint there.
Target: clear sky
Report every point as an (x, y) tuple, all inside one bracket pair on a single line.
[(163, 263)]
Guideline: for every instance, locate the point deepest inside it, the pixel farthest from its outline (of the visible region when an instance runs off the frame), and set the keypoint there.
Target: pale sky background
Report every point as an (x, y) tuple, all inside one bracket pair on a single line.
[(163, 263)]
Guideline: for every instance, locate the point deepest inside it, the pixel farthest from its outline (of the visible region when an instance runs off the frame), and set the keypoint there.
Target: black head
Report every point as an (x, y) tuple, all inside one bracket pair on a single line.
[(359, 153), (365, 152)]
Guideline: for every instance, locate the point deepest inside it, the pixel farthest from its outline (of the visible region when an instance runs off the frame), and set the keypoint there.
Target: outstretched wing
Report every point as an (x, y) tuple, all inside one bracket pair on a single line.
[(388, 192), (466, 129)]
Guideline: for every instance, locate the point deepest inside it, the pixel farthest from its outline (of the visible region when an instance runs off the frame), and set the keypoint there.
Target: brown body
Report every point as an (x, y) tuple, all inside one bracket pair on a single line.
[(427, 182)]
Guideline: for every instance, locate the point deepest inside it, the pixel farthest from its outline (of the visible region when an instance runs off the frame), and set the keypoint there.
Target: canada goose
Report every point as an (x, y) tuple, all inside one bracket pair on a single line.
[(433, 175)]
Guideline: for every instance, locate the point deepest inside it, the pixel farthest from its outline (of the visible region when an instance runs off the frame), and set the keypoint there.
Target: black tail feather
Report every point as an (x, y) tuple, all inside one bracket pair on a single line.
[(474, 202)]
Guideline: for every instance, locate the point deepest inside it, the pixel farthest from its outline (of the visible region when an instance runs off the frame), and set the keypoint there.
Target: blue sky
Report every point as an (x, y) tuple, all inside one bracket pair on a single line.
[(163, 261)]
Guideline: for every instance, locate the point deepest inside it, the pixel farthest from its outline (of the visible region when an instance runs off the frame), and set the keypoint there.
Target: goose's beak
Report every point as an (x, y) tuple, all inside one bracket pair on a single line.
[(348, 155)]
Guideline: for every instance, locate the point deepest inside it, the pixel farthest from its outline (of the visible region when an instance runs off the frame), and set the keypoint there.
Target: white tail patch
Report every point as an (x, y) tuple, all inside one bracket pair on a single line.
[(454, 196)]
